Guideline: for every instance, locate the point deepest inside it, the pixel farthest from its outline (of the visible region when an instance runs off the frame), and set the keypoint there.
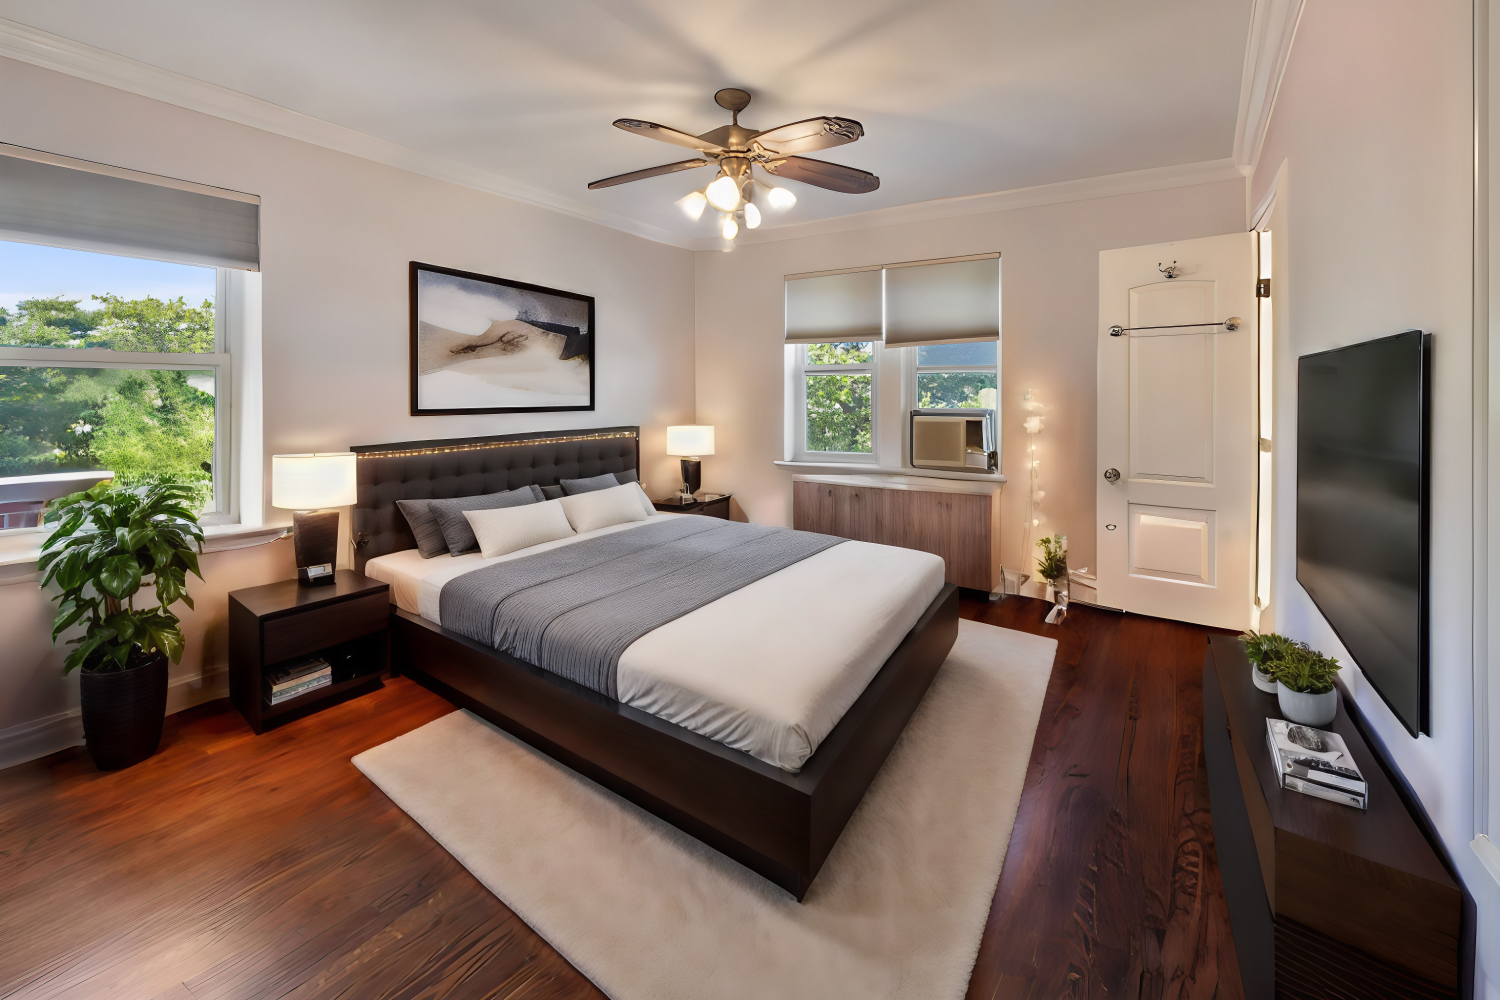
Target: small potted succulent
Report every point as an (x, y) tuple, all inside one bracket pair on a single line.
[(1264, 650), (110, 541), (1304, 686)]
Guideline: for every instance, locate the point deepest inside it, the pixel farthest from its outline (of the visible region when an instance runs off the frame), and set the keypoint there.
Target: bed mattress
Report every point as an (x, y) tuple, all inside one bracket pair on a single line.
[(768, 669)]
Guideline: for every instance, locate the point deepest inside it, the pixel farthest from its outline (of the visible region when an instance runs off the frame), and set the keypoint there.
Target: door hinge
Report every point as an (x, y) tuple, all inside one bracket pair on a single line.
[(1263, 288)]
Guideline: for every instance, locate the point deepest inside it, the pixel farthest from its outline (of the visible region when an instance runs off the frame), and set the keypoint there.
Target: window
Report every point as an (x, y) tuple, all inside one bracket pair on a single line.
[(121, 294), (837, 398), (867, 345), (112, 362), (958, 375)]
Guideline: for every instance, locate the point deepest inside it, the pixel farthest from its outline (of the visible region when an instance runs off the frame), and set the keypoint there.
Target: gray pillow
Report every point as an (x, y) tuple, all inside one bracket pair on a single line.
[(589, 485), (628, 476), (552, 492), (455, 527), (424, 525)]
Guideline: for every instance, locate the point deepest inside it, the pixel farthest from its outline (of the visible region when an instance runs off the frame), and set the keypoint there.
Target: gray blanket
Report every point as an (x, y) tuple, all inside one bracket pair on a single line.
[(574, 610)]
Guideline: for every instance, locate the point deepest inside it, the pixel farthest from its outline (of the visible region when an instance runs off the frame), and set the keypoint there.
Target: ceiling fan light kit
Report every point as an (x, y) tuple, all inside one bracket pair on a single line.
[(736, 149)]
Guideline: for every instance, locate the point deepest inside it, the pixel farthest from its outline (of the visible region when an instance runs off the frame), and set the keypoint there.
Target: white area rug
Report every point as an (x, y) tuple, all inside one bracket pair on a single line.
[(646, 911)]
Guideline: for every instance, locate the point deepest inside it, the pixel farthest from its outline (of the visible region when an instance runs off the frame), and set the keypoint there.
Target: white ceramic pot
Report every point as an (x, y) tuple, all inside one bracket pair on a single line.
[(1262, 681), (1307, 709)]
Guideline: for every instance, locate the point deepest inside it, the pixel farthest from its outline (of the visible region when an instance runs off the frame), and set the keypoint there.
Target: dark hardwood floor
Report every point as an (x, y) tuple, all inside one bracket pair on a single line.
[(231, 865)]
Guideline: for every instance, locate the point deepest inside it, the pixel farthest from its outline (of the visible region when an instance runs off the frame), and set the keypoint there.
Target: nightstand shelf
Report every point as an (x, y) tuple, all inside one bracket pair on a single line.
[(718, 506), (284, 623)]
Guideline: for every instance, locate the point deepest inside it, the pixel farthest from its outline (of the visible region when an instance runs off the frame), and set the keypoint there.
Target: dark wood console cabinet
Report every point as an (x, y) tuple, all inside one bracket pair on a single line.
[(1324, 900)]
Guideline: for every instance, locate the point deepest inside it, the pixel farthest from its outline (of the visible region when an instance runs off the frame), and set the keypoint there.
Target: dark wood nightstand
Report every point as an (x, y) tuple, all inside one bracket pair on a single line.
[(717, 507), (283, 623)]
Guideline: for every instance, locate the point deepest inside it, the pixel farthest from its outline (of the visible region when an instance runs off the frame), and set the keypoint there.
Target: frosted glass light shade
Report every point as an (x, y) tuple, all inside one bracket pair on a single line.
[(723, 194), (310, 482), (690, 440)]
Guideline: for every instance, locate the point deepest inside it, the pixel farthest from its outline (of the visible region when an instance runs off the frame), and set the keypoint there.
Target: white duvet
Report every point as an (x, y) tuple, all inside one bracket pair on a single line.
[(769, 669)]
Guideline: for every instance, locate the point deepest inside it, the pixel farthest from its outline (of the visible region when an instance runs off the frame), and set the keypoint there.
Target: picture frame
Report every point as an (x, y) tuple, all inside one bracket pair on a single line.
[(482, 344)]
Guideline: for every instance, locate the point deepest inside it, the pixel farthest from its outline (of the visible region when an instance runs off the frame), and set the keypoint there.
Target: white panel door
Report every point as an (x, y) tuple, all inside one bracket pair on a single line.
[(1177, 430)]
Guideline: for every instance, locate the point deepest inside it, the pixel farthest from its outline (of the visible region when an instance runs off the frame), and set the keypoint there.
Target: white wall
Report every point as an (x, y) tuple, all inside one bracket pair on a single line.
[(1050, 296), (337, 234), (1373, 126)]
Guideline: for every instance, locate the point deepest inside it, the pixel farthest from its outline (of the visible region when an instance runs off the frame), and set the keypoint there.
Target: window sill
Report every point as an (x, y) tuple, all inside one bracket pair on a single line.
[(866, 469), (24, 545)]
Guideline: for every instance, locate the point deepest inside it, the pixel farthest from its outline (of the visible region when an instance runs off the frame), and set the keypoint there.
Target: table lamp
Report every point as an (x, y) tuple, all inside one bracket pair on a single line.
[(690, 442), (304, 484)]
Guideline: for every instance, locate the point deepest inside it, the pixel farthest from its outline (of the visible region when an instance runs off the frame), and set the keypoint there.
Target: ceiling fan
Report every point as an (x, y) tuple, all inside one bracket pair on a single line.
[(735, 149)]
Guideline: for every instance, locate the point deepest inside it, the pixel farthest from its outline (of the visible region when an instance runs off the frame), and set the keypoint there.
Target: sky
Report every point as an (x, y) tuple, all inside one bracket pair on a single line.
[(29, 271)]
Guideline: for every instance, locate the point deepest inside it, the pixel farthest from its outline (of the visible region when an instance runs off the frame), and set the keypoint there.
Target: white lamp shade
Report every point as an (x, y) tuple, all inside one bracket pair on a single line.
[(309, 482), (690, 440)]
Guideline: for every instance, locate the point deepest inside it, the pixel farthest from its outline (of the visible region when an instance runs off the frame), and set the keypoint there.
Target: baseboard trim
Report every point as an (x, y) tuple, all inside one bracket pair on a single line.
[(196, 688), (38, 738)]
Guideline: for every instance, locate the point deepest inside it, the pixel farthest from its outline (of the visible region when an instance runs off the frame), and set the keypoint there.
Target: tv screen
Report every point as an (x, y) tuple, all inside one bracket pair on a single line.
[(1362, 466)]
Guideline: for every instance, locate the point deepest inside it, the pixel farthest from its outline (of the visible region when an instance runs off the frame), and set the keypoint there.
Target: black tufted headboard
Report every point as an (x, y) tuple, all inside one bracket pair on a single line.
[(466, 467)]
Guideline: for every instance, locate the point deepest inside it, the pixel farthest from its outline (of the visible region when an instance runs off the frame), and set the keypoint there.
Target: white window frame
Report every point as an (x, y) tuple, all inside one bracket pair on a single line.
[(228, 330), (913, 393), (801, 369)]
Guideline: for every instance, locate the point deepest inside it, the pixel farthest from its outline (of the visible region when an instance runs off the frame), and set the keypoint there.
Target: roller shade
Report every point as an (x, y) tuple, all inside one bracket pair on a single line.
[(60, 201), (952, 302), (833, 308)]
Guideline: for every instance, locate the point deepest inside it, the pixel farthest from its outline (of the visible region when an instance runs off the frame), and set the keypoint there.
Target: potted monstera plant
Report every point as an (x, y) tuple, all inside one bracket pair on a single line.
[(110, 542)]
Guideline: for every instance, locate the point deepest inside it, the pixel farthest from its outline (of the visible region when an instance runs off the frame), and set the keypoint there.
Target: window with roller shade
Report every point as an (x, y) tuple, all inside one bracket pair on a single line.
[(927, 332), (834, 325), (114, 346)]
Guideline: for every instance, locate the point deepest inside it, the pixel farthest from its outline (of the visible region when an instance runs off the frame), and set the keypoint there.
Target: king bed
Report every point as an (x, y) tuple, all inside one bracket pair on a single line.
[(742, 682)]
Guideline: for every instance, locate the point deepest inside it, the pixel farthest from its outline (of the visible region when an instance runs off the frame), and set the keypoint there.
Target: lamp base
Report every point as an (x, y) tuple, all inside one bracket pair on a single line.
[(315, 539), (692, 476)]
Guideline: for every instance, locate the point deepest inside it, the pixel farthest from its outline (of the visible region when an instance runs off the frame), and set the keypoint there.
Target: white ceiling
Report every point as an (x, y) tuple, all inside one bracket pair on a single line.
[(957, 98)]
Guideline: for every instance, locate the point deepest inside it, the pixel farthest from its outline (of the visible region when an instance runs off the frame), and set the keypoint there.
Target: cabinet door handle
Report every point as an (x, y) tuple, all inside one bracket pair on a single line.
[(1111, 476)]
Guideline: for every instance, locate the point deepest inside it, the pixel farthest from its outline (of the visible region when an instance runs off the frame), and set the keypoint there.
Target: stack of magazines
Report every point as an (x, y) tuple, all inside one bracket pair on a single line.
[(1316, 763), (299, 678)]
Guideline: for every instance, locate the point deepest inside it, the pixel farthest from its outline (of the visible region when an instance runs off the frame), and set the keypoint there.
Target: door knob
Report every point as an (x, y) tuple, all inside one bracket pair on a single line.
[(1111, 476)]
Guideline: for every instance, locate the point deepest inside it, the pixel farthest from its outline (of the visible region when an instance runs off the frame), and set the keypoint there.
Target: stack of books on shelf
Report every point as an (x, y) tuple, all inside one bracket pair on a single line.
[(299, 678), (1315, 763)]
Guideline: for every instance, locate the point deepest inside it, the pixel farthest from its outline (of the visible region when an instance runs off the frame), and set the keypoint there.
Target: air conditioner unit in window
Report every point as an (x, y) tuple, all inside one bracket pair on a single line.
[(957, 440)]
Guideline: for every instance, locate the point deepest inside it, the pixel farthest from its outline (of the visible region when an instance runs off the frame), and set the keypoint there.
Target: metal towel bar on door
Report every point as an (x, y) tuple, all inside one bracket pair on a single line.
[(1231, 324)]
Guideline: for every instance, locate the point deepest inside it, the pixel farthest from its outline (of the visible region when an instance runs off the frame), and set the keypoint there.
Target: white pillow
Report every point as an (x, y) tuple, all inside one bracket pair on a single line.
[(601, 508), (506, 529), (646, 503)]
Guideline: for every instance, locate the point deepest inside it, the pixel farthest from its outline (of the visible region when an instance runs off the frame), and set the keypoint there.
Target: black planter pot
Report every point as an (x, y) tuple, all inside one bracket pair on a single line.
[(123, 712)]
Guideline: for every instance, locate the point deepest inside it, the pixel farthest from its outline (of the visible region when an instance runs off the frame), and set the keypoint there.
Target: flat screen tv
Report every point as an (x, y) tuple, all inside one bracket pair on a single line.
[(1362, 509)]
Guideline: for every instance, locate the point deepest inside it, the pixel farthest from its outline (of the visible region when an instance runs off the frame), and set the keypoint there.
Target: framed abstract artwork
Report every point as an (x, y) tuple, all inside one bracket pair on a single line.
[(487, 345)]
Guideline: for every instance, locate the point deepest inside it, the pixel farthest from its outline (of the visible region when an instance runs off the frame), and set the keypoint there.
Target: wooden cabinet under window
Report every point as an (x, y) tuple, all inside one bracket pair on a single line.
[(953, 518)]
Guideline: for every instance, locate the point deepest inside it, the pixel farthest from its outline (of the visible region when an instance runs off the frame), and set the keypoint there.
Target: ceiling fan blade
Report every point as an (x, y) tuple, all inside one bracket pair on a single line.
[(651, 130), (638, 175), (821, 173), (810, 135)]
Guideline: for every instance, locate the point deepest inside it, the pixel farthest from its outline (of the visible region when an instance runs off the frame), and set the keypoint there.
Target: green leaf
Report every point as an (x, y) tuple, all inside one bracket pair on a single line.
[(120, 576), (68, 613)]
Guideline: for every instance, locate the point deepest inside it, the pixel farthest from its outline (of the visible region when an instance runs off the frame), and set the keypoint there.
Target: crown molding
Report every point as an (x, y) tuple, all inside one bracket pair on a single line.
[(1273, 26), (1273, 21), (87, 62), (1084, 189)]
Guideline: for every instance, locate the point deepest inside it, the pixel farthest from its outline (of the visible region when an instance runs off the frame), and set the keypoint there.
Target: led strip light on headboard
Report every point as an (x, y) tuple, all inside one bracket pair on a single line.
[(486, 445)]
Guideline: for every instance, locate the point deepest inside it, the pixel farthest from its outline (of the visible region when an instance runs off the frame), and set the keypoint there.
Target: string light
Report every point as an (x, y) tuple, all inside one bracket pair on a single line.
[(1033, 425)]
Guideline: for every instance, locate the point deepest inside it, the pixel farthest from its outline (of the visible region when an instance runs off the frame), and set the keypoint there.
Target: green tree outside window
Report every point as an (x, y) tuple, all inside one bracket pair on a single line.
[(145, 425)]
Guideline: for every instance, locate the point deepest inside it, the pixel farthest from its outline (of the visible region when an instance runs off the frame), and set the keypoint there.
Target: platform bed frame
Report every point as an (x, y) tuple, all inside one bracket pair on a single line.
[(778, 824)]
